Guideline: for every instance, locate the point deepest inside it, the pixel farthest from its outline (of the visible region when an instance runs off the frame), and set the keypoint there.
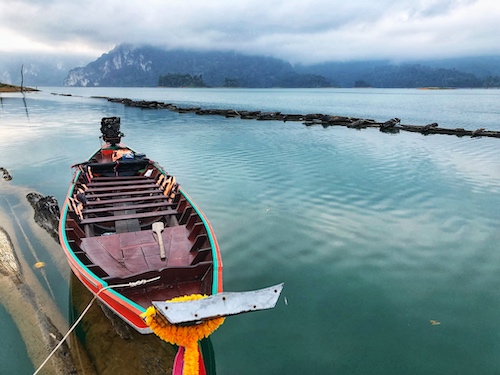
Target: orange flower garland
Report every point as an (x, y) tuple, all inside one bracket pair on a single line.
[(186, 336)]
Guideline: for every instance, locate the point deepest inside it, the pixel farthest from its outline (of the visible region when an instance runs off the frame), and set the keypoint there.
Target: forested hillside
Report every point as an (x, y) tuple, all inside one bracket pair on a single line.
[(132, 65)]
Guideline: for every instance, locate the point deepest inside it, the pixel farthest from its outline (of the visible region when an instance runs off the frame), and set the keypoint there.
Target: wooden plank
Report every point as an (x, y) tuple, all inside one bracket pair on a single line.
[(72, 235), (128, 207), (129, 225), (124, 193), (72, 225), (105, 253), (197, 228), (199, 242), (169, 275), (121, 183), (126, 254), (201, 255), (126, 226), (120, 178), (120, 187), (134, 260), (105, 219), (131, 199)]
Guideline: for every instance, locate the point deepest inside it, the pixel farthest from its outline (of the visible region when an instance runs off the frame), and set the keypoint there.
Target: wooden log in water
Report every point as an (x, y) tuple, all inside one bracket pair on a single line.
[(390, 126)]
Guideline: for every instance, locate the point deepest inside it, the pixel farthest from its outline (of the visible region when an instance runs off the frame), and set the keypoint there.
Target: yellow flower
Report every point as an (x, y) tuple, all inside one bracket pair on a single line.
[(186, 336)]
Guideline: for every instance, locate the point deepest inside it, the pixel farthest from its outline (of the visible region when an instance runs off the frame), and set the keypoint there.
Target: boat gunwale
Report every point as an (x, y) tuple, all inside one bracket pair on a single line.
[(216, 258), (95, 283)]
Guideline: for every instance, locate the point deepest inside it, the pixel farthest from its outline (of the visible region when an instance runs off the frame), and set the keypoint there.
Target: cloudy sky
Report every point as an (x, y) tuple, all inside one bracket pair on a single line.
[(298, 31)]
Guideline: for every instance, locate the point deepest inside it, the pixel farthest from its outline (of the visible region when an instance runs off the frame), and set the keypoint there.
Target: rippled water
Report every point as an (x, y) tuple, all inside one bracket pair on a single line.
[(374, 235)]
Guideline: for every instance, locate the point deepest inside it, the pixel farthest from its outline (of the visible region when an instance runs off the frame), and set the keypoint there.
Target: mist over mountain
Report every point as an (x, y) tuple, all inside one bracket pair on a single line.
[(128, 65), (38, 69), (480, 66), (455, 73), (143, 65)]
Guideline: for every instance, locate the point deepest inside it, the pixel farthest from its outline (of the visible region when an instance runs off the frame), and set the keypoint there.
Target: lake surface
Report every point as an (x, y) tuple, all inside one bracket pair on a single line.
[(377, 237)]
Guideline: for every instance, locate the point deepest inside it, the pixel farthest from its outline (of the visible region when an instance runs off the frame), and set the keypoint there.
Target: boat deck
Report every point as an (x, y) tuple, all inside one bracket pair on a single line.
[(131, 235), (111, 234), (124, 254)]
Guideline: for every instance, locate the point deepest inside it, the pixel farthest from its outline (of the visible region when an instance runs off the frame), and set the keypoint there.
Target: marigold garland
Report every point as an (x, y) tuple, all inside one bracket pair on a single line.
[(186, 336)]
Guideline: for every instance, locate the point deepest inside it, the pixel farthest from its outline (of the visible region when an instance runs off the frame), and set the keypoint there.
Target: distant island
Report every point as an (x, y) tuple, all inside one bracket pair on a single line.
[(181, 80), (4, 87)]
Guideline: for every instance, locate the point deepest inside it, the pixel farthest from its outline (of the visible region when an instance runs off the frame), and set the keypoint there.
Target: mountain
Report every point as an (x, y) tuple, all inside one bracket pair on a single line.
[(406, 75), (482, 67), (128, 65)]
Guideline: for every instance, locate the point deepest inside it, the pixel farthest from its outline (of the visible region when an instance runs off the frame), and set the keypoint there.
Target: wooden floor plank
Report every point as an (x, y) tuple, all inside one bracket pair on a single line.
[(126, 254)]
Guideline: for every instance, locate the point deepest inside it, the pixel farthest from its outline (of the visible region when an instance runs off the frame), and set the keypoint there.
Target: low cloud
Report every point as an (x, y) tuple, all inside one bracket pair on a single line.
[(298, 31)]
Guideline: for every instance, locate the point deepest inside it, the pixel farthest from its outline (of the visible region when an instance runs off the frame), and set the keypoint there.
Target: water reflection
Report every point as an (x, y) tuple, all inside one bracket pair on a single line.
[(375, 235), (26, 107), (29, 296), (12, 344), (112, 346)]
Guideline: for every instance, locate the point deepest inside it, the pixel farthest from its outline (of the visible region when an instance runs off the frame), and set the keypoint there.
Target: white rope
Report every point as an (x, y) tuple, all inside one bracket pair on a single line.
[(131, 284)]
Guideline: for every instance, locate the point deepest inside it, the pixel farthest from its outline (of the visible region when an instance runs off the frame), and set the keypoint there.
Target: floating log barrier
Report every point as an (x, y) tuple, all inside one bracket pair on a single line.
[(391, 126)]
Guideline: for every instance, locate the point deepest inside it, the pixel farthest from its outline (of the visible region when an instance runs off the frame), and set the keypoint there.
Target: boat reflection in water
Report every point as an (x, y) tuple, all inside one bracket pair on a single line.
[(111, 344)]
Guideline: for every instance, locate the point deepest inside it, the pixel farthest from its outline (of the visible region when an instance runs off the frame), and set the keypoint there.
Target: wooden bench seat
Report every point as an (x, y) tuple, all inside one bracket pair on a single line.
[(128, 207), (120, 183), (120, 187), (130, 199), (120, 178), (123, 193), (105, 219)]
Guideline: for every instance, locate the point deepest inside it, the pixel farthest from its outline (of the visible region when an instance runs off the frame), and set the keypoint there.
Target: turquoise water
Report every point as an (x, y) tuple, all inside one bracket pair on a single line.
[(374, 235), (13, 350)]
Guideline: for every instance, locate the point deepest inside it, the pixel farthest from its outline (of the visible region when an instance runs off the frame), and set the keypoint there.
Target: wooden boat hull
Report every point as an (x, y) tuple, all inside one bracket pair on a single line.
[(135, 239), (81, 232)]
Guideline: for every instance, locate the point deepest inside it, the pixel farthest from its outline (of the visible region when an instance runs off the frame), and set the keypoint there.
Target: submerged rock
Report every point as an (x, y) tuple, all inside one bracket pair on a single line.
[(5, 174), (23, 303), (46, 212), (9, 266)]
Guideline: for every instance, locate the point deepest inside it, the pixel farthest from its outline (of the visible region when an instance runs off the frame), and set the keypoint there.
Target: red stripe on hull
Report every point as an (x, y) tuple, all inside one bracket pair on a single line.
[(126, 311)]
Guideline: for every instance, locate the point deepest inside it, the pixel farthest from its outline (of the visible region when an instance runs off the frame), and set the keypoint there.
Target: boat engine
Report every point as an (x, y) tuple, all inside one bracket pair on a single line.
[(110, 129)]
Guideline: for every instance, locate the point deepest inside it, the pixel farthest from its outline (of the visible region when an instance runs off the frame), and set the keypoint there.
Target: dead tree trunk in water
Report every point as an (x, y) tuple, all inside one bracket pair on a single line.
[(22, 77)]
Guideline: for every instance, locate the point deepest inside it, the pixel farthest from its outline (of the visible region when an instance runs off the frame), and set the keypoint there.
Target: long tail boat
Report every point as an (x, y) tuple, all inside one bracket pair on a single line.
[(135, 239)]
